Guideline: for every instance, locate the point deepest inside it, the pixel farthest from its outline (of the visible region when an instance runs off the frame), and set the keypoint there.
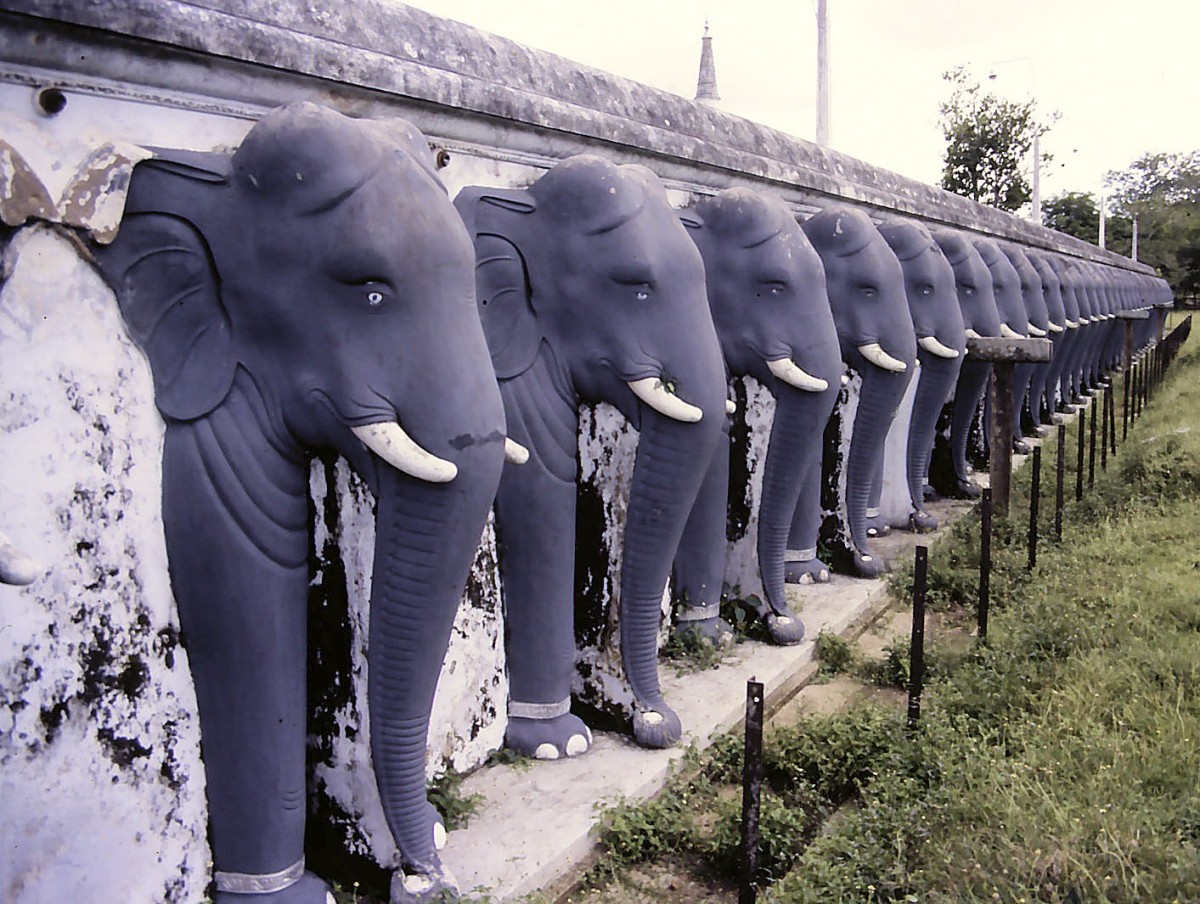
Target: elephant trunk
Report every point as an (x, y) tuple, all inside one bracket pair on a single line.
[(425, 542), (672, 459), (878, 400), (793, 460), (937, 378), (972, 383)]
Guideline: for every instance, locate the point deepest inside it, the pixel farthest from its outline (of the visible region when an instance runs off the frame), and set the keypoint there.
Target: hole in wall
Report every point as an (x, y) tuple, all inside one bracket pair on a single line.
[(50, 101)]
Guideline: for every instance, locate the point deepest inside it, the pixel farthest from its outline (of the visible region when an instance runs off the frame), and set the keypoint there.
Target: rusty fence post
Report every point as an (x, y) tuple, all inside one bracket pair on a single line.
[(916, 649), (1058, 487), (985, 563), (1035, 492), (752, 775)]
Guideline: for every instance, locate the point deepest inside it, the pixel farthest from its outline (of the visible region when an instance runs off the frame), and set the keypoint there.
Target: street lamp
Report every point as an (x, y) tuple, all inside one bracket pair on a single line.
[(1035, 201)]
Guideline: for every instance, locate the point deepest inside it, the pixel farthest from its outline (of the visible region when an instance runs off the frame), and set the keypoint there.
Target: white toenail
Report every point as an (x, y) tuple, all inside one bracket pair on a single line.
[(824, 575), (329, 898), (546, 752), (578, 744), (439, 835), (782, 620), (866, 558), (416, 883), (806, 578), (652, 718)]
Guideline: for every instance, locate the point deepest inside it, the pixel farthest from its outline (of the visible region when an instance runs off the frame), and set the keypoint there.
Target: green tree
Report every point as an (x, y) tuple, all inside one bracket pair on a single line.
[(1162, 191), (988, 140), (1074, 213)]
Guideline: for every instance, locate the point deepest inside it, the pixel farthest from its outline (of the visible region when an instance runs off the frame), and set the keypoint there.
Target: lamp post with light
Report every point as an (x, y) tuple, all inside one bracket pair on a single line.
[(1035, 200)]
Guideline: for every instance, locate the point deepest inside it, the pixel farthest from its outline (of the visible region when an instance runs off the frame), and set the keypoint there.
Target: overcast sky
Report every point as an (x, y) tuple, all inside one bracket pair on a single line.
[(1125, 76)]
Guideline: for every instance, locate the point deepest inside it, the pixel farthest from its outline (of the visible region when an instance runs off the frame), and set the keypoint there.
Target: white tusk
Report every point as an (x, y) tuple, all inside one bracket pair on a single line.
[(1083, 321), (1055, 328), (874, 353), (971, 334), (652, 391), (515, 452), (1036, 332), (787, 370), (1072, 324), (1009, 333), (934, 347), (389, 441), (730, 407)]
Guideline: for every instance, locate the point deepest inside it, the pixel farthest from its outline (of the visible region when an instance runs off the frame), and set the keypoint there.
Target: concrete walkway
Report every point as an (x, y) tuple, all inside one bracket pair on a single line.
[(534, 828)]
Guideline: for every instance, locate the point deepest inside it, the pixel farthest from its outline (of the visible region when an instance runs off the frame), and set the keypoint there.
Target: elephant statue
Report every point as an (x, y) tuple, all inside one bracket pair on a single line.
[(1066, 356), (313, 290), (590, 290), (875, 332), (1038, 326), (977, 303), (1042, 392), (941, 346), (766, 291)]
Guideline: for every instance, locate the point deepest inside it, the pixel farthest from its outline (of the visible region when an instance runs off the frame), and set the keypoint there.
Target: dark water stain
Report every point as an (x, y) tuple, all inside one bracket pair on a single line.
[(334, 848), (739, 505), (592, 565), (833, 543)]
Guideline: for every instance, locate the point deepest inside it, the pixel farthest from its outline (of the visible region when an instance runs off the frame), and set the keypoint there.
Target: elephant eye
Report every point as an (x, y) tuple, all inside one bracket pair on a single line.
[(374, 298), (642, 294), (869, 291), (773, 287)]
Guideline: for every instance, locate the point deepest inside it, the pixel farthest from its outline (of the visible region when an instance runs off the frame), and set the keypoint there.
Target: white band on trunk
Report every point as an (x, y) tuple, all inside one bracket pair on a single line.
[(521, 710), (799, 555), (259, 883), (699, 613)]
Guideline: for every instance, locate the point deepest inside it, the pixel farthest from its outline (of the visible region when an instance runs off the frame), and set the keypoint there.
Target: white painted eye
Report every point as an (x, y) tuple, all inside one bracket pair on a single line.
[(374, 299), (776, 290), (642, 295)]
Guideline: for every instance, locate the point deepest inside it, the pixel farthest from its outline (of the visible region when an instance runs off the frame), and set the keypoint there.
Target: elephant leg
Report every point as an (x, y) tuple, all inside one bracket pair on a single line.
[(936, 380), (240, 579), (972, 383), (791, 483), (877, 404), (801, 565), (1022, 374), (699, 569), (535, 531)]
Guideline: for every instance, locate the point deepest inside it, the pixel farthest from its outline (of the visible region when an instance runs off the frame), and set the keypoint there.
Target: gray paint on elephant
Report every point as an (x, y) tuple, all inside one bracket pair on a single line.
[(1038, 326), (1043, 386), (977, 302), (766, 290), (941, 347), (306, 293), (589, 291), (875, 332)]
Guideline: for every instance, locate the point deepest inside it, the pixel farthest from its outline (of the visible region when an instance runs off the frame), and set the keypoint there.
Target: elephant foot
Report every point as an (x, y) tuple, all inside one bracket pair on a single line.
[(714, 629), (432, 885), (785, 628), (1021, 447), (809, 571), (548, 739), (657, 727), (966, 489), (308, 889), (876, 526), (1040, 431), (867, 565), (921, 522), (929, 494)]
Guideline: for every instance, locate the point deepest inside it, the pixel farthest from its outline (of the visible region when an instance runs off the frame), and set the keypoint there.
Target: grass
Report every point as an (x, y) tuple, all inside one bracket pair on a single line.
[(1057, 762)]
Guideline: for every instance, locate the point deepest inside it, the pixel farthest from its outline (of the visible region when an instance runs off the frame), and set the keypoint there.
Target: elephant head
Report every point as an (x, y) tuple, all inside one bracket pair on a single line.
[(977, 301), (766, 291), (590, 290), (1006, 286), (313, 290), (875, 331), (941, 346), (1038, 326)]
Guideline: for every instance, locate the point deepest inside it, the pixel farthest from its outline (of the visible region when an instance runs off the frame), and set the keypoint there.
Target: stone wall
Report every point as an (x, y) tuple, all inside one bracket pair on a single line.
[(101, 782)]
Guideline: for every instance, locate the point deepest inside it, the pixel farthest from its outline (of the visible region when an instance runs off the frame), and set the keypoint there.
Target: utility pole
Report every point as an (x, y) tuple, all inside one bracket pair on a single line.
[(1134, 254), (822, 73), (1102, 215), (1036, 200)]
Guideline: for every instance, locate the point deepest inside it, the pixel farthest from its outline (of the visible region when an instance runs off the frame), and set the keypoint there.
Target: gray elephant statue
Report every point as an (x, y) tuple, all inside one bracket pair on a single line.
[(1042, 394), (590, 290), (313, 290), (941, 346), (766, 290), (875, 332), (1039, 326), (977, 302)]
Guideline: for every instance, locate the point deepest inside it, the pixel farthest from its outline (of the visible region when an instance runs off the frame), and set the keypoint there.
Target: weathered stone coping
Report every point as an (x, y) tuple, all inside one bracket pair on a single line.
[(452, 79)]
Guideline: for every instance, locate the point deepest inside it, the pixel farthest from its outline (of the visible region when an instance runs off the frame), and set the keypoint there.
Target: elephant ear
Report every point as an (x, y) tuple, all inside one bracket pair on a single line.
[(494, 220), (168, 289)]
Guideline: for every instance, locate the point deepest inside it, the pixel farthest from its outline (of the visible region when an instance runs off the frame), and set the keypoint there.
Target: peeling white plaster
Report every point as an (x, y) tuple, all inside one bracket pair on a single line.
[(894, 503), (102, 788)]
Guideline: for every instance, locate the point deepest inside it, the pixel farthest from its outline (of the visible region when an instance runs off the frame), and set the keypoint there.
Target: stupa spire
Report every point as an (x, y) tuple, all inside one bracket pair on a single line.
[(706, 84)]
